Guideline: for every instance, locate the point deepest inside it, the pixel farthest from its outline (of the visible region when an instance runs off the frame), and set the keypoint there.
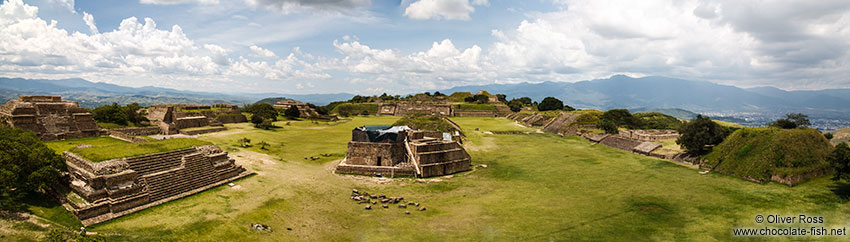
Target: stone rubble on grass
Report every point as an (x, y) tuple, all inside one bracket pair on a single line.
[(260, 227), (365, 197)]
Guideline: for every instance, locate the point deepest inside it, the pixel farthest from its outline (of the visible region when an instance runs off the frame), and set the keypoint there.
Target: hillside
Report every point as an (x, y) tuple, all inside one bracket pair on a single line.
[(768, 153), (272, 100), (840, 135), (765, 104)]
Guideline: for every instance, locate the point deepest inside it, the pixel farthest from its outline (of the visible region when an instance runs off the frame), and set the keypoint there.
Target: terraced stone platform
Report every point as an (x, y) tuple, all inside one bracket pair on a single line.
[(122, 186)]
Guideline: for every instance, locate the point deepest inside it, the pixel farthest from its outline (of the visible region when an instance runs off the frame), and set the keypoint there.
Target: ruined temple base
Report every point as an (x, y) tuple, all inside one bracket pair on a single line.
[(109, 216)]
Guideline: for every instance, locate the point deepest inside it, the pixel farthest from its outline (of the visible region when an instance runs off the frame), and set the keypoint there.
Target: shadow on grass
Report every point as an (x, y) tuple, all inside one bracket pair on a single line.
[(841, 189)]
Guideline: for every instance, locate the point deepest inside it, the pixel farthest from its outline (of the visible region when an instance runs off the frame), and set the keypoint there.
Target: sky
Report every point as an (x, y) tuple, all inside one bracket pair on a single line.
[(400, 47)]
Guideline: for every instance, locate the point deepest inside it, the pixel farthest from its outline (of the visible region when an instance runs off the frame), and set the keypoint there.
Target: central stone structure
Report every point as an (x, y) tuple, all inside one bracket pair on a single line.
[(401, 151), (50, 118), (171, 118), (105, 190)]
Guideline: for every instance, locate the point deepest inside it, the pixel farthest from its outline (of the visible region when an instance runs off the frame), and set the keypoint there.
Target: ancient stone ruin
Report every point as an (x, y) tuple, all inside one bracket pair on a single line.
[(439, 109), (113, 188), (401, 151), (304, 109), (172, 118), (50, 118)]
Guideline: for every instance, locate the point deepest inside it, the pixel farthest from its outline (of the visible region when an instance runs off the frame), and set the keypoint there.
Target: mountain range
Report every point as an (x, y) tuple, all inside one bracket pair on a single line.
[(677, 96)]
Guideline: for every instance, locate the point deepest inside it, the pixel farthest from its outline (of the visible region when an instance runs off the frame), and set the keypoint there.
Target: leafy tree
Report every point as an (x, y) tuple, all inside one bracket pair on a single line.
[(840, 161), (256, 120), (481, 98), (244, 142), (550, 103), (470, 99), (438, 94), (524, 100), (608, 126), (263, 145), (568, 108), (263, 110), (117, 114), (828, 136), (502, 98), (621, 117), (698, 135), (792, 120), (515, 105), (292, 112), (27, 166)]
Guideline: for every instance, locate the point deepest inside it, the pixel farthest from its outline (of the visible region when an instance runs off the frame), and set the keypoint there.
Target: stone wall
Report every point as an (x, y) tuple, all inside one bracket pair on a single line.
[(375, 154), (560, 125), (202, 131), (150, 130), (650, 134), (50, 118), (620, 142), (192, 122), (475, 113)]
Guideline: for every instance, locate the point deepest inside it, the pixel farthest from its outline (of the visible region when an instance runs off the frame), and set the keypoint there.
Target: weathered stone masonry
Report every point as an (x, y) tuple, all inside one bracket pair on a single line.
[(50, 118), (118, 187)]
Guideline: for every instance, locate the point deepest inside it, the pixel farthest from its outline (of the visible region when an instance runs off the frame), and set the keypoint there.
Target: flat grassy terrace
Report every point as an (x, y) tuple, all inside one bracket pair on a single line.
[(107, 148), (536, 187)]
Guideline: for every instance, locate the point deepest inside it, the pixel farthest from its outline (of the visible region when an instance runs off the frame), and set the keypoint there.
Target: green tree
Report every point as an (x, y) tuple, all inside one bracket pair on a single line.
[(524, 100), (515, 105), (828, 136), (792, 120), (840, 161), (27, 166), (621, 117), (292, 112), (550, 103), (502, 98), (700, 134), (263, 110), (608, 126), (256, 120)]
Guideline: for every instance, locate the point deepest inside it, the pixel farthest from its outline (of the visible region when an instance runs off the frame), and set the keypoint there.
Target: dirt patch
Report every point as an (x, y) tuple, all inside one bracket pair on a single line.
[(487, 144)]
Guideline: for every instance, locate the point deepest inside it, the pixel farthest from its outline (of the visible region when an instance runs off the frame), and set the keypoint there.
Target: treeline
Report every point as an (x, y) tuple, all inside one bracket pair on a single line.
[(120, 115)]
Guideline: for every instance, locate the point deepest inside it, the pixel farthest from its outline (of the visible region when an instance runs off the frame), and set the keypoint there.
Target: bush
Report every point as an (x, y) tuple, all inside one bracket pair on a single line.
[(27, 166), (256, 120), (117, 114), (515, 105), (550, 103), (263, 110), (698, 135), (292, 112), (828, 136), (839, 159), (792, 120), (608, 126), (621, 117)]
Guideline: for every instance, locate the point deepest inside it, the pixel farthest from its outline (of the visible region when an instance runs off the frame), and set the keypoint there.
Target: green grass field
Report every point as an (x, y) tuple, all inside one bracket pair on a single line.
[(536, 187)]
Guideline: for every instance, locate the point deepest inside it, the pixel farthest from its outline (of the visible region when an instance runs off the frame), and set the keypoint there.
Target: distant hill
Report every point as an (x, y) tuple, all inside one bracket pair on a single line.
[(93, 94), (272, 100), (670, 93)]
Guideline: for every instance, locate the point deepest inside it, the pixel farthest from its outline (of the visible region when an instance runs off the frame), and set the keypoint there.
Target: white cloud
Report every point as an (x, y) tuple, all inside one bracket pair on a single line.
[(290, 6), (140, 52), (259, 51), (442, 9), (69, 4), (89, 19), (170, 2)]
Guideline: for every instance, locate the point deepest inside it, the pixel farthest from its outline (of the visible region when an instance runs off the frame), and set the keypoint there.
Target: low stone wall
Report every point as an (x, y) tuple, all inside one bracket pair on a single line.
[(375, 154), (126, 137), (151, 130), (386, 171), (229, 119), (559, 125), (794, 179), (445, 168), (475, 113), (203, 131), (620, 143), (650, 135)]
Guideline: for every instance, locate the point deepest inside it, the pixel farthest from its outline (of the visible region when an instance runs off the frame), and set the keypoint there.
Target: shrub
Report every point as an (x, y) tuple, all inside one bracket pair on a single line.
[(608, 126), (256, 120), (292, 112), (792, 120), (828, 136), (698, 135), (839, 159), (117, 114), (550, 103), (515, 105), (621, 117), (263, 110)]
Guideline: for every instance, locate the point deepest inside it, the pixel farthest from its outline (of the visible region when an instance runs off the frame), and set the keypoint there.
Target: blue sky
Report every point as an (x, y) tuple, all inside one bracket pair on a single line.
[(370, 47)]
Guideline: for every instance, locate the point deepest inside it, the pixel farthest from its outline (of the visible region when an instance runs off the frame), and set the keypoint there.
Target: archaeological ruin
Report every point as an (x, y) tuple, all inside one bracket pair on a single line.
[(400, 151), (304, 109), (108, 189), (50, 117), (177, 118)]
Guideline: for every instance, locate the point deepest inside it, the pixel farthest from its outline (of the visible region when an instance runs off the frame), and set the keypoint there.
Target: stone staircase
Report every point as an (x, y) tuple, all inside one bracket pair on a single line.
[(194, 173), (436, 158), (155, 163)]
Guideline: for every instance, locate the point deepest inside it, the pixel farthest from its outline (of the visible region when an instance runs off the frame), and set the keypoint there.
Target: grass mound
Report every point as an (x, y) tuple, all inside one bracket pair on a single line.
[(118, 150), (658, 121), (425, 122), (760, 153)]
